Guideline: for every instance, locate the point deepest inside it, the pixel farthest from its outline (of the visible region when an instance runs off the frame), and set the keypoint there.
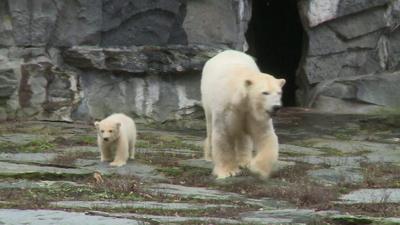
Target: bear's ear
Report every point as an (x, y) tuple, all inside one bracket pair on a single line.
[(97, 123), (248, 83), (118, 125), (282, 82)]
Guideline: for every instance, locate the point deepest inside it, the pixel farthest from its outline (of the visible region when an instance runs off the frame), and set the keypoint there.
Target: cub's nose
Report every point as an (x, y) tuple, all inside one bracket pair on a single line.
[(105, 139), (276, 108)]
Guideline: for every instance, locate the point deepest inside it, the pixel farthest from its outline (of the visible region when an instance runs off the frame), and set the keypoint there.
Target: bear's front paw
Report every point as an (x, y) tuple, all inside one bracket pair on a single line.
[(224, 173), (244, 163), (117, 163), (260, 168)]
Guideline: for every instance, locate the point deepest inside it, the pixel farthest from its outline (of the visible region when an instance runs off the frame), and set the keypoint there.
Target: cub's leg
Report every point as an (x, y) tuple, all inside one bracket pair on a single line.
[(121, 153)]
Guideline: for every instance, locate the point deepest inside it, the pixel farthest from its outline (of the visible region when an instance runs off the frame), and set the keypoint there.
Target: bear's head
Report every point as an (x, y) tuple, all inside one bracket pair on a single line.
[(264, 95), (108, 131)]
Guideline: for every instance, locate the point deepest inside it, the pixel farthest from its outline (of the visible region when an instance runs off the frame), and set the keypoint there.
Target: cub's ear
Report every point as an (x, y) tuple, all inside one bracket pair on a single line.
[(97, 123), (248, 83), (282, 82), (118, 125)]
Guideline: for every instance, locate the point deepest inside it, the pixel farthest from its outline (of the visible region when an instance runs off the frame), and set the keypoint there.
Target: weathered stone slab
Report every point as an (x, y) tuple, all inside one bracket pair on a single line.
[(349, 146), (321, 35), (13, 170), (209, 194), (169, 219), (28, 184), (360, 24), (223, 26), (201, 163), (316, 12), (90, 149), (143, 59), (359, 219), (197, 163), (386, 195), (284, 216), (389, 156), (42, 158), (293, 149), (142, 22), (192, 192), (170, 151), (22, 139), (350, 161), (337, 176), (341, 65), (136, 205), (142, 171), (8, 82), (51, 217), (148, 96)]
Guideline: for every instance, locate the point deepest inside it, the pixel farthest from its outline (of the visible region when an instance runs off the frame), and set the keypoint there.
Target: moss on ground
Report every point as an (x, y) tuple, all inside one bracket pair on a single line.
[(35, 146), (149, 140)]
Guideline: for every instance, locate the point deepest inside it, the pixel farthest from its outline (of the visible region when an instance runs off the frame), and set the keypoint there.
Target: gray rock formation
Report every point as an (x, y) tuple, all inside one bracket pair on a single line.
[(79, 60), (351, 47), (67, 60)]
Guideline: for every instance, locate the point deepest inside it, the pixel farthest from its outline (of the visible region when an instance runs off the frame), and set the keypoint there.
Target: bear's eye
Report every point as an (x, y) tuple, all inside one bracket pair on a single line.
[(265, 93), (110, 131), (102, 131)]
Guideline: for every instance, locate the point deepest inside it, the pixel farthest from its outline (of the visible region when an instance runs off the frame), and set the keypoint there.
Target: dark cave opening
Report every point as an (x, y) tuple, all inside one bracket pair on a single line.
[(275, 39)]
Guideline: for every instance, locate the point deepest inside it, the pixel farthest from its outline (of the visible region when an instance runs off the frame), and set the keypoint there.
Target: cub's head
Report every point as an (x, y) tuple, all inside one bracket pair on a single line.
[(107, 131), (265, 93)]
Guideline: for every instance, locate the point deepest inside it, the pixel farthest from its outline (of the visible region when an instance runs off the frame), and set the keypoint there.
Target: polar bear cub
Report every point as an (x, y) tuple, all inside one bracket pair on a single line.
[(116, 133), (239, 102)]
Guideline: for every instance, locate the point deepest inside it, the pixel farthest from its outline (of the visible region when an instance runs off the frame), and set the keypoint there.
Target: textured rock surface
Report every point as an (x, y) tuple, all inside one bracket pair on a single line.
[(134, 205), (48, 217), (42, 77), (351, 47), (335, 161), (387, 195)]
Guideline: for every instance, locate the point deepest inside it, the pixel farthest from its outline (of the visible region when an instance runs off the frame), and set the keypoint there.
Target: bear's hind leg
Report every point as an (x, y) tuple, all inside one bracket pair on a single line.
[(207, 141), (223, 155), (132, 144), (121, 153)]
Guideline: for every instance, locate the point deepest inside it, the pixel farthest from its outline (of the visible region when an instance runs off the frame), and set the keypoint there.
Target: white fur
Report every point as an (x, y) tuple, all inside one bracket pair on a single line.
[(238, 114), (120, 132)]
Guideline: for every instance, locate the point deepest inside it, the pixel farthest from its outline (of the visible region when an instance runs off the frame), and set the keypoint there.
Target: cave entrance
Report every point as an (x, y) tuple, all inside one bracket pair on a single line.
[(275, 38)]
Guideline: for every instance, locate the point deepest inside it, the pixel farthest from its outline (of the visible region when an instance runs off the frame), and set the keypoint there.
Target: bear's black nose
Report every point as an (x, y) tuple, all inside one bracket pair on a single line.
[(106, 139), (276, 108)]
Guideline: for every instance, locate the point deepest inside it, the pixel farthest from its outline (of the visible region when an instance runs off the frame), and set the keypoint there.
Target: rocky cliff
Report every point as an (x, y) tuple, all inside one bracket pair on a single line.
[(83, 59), (351, 61)]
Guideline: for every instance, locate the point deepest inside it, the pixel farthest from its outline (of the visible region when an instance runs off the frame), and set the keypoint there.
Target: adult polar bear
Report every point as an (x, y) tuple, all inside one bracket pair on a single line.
[(239, 101)]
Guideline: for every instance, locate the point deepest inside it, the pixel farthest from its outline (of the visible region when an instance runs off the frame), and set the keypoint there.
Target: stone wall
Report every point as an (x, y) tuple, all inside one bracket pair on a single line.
[(352, 55), (83, 59)]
